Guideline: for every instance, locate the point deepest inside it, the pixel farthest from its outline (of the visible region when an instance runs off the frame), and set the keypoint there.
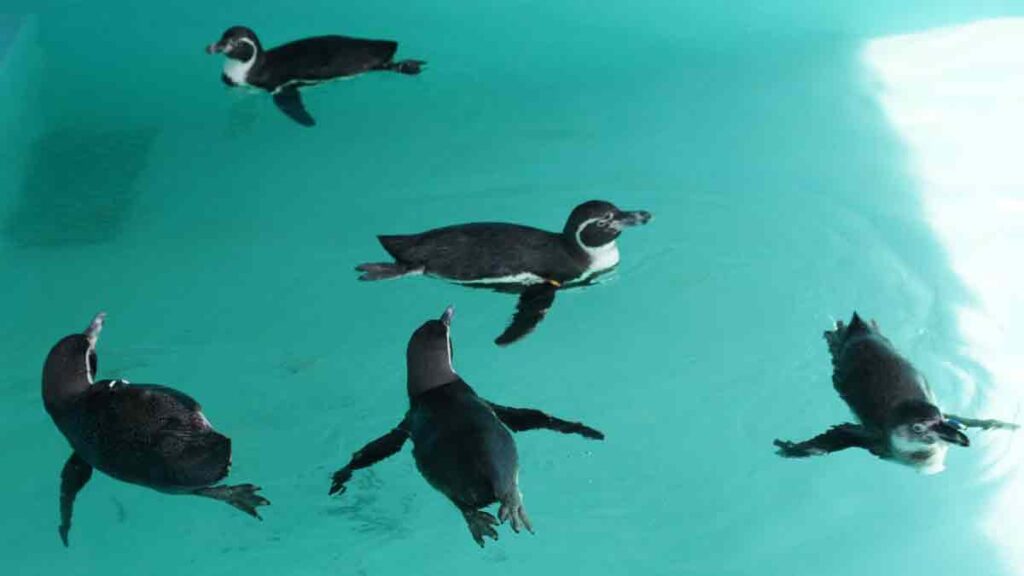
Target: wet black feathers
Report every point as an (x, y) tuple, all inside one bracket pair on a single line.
[(320, 58), (486, 250)]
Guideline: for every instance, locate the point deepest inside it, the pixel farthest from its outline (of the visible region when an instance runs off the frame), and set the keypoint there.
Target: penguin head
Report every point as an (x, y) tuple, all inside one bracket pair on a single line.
[(429, 355), (71, 365), (921, 436), (598, 223), (238, 43)]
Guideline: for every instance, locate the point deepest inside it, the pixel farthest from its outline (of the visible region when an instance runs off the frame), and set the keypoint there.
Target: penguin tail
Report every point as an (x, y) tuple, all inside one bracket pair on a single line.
[(385, 270), (410, 67)]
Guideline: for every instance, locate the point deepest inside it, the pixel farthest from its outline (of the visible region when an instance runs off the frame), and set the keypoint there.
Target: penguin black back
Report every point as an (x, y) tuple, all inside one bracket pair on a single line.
[(870, 375)]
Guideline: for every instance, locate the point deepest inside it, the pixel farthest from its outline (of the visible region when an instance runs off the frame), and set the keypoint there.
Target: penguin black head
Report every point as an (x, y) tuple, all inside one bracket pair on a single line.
[(429, 355), (71, 365), (598, 223), (920, 436), (238, 43)]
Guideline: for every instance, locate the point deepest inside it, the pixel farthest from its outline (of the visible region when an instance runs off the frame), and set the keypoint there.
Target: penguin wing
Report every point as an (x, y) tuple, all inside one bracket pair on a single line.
[(289, 101), (534, 303), (837, 438), (326, 57), (522, 419)]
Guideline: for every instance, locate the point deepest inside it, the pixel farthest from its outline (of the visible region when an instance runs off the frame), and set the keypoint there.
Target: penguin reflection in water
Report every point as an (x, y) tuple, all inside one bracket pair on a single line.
[(462, 443), (307, 62), (511, 258), (144, 434), (899, 419)]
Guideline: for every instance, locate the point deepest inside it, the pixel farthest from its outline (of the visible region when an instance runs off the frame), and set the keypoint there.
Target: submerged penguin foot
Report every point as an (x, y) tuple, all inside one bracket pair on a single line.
[(243, 496), (512, 511), (481, 524)]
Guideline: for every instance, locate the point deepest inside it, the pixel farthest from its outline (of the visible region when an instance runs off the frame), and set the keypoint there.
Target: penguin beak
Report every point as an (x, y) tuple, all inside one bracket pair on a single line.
[(215, 48), (446, 318), (93, 331), (635, 218), (951, 433)]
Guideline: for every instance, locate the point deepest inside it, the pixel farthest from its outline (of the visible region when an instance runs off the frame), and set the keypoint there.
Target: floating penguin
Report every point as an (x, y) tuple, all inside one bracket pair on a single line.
[(899, 420), (283, 70), (511, 258), (462, 443), (144, 434)]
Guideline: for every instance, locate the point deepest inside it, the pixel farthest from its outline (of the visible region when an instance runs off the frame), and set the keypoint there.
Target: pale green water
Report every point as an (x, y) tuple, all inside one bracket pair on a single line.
[(221, 238)]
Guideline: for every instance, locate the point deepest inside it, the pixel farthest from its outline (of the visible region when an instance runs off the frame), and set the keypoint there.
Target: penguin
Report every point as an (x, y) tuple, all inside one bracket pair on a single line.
[(516, 259), (307, 62), (462, 443), (144, 434), (899, 419)]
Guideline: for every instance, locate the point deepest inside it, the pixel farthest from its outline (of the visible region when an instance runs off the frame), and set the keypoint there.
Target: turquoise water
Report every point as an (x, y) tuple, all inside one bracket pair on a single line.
[(787, 192)]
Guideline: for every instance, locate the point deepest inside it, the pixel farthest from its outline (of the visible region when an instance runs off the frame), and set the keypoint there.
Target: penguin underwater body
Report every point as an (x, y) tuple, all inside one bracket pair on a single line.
[(462, 443), (899, 419), (511, 258), (144, 434), (307, 62)]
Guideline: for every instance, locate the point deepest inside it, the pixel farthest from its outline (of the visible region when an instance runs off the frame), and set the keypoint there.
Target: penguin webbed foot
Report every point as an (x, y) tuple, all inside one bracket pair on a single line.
[(242, 496), (481, 524), (513, 512), (372, 271)]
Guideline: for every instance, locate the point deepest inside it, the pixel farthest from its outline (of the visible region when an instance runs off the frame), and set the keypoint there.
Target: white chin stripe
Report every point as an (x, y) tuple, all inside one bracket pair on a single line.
[(237, 71), (601, 257)]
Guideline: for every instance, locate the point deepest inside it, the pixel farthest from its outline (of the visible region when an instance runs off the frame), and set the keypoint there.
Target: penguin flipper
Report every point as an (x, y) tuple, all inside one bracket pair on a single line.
[(534, 303), (377, 450), (289, 101), (521, 419), (837, 438), (73, 477), (983, 424)]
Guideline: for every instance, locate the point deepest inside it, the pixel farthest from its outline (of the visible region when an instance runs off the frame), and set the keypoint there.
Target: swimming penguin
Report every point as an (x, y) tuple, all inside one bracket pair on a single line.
[(462, 443), (144, 434), (284, 69), (511, 258), (899, 419)]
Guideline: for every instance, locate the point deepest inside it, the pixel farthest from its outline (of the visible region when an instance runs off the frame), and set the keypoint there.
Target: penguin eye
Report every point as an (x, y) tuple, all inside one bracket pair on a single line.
[(918, 428)]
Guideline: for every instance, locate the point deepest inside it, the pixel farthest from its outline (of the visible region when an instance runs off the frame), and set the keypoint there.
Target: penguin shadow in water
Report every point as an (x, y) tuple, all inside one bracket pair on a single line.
[(899, 419), (144, 434), (283, 70), (532, 263), (462, 443), (364, 512)]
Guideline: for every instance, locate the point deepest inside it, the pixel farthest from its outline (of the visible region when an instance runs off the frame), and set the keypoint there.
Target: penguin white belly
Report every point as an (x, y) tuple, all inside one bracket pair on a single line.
[(933, 464), (525, 278), (237, 72), (602, 259)]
